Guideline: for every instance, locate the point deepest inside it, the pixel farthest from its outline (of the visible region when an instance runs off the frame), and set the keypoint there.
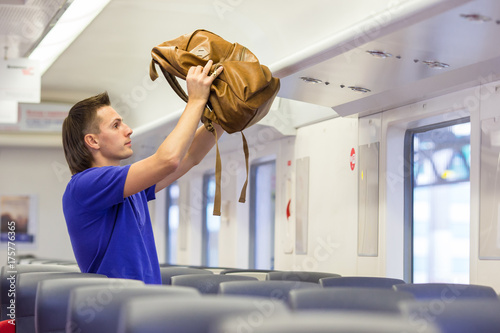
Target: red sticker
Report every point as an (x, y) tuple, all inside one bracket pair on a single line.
[(353, 159), (288, 209)]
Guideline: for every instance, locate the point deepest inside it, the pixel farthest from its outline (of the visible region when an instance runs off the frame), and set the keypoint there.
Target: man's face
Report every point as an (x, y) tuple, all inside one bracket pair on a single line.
[(114, 138)]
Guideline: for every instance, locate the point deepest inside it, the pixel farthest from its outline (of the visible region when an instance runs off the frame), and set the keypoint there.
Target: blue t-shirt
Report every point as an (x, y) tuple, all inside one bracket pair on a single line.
[(111, 235)]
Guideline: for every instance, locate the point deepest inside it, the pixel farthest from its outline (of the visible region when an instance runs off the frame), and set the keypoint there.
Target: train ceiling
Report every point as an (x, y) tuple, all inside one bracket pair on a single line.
[(345, 57)]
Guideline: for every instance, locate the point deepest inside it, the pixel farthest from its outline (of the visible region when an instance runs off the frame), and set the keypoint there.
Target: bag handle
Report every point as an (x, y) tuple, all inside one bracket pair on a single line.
[(175, 85)]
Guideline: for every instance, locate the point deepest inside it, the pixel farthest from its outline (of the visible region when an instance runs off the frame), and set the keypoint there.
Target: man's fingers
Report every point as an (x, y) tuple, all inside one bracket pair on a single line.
[(216, 72), (203, 72), (207, 67)]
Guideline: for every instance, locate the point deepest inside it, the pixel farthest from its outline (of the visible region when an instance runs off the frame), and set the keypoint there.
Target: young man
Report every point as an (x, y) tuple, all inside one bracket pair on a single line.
[(105, 204)]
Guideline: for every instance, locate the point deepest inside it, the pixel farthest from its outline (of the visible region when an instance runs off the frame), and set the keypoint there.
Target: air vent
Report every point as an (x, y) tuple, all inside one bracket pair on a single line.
[(379, 54), (310, 80), (436, 64), (359, 89), (476, 18)]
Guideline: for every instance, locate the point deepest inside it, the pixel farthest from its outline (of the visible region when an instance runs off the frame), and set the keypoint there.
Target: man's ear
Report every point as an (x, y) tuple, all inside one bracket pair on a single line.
[(91, 141)]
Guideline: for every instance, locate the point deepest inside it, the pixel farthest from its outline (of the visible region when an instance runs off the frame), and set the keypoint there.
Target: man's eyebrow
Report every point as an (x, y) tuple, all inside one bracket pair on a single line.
[(116, 119)]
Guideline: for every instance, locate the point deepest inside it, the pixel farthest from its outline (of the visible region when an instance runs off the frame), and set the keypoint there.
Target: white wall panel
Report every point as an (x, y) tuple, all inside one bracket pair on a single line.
[(332, 234)]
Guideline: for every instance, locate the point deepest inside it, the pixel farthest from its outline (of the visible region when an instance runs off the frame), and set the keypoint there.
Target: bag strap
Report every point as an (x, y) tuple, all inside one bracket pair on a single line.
[(245, 150), (218, 169)]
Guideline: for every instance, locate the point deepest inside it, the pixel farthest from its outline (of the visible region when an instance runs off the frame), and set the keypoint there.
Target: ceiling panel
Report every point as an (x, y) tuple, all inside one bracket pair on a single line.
[(467, 47), (113, 53)]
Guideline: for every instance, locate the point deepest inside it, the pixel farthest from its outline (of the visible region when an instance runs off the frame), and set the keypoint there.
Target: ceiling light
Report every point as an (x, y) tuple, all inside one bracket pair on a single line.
[(475, 18), (436, 64), (73, 21), (359, 89), (310, 80), (379, 54)]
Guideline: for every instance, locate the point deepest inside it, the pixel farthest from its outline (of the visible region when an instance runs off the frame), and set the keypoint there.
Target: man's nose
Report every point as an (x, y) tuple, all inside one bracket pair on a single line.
[(128, 130)]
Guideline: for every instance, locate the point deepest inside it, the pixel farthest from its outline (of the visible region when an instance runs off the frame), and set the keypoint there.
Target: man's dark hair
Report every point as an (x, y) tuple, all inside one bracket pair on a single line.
[(82, 119)]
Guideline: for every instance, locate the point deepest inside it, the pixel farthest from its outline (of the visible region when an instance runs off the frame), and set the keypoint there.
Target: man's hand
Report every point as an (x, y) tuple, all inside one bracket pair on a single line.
[(199, 79)]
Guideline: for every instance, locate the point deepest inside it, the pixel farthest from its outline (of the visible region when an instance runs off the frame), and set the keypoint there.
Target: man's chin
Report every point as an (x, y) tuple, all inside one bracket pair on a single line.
[(129, 153)]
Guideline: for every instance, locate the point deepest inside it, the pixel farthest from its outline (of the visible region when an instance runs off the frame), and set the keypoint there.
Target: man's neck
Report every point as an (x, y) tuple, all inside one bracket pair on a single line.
[(100, 162)]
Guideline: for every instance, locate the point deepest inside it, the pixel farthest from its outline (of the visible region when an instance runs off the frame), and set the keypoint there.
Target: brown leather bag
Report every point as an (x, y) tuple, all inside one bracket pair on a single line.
[(239, 97)]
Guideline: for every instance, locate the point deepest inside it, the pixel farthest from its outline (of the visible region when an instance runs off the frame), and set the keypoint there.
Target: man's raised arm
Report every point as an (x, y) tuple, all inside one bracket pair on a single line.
[(203, 142), (172, 151)]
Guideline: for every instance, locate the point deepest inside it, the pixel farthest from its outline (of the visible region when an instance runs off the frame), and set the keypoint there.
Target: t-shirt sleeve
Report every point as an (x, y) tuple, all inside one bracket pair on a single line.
[(151, 193), (101, 187)]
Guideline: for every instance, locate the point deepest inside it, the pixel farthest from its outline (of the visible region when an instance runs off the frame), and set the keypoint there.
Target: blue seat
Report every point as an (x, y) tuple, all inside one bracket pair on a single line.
[(466, 315), (329, 322), (97, 309), (269, 289), (360, 281), (348, 298), (26, 291), (168, 272), (207, 284), (446, 290), (163, 314), (5, 280), (52, 299), (300, 276)]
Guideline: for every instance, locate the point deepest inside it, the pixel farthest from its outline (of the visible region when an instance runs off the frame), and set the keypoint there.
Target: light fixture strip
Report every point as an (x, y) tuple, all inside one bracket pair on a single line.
[(78, 15), (53, 21)]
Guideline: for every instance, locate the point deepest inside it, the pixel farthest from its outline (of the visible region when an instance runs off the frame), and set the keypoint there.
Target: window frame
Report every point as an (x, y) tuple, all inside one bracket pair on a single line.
[(252, 218), (409, 187)]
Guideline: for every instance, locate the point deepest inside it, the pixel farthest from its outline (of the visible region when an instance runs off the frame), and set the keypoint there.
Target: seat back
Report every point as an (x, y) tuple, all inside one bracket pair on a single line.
[(96, 309), (300, 276), (246, 270), (8, 278), (270, 289), (446, 290), (207, 284), (348, 298), (330, 322), (26, 291), (259, 274), (464, 315), (52, 299), (161, 314), (360, 281), (168, 272)]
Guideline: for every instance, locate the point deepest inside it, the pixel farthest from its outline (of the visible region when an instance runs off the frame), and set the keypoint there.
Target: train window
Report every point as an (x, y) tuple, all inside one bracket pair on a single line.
[(172, 222), (438, 219), (211, 224), (262, 207)]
